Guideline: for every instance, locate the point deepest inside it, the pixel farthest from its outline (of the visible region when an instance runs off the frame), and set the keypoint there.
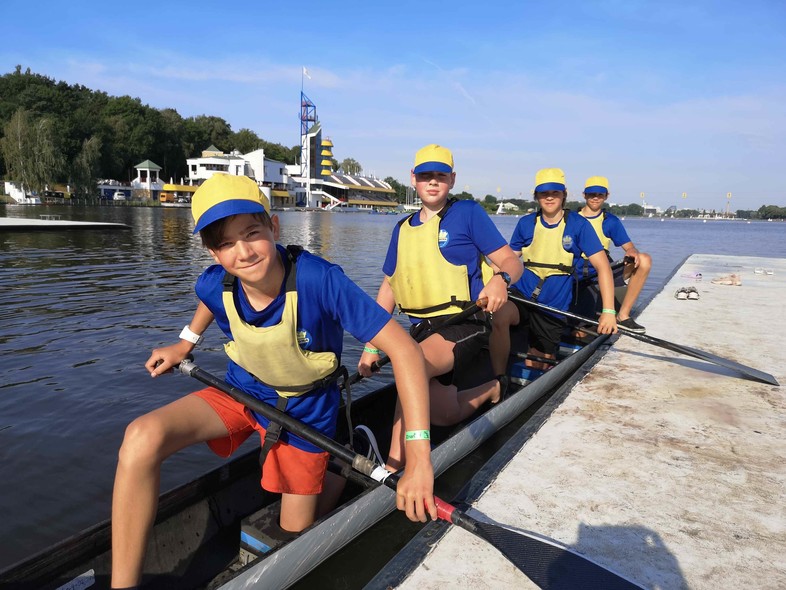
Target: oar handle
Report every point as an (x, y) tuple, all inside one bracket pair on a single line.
[(454, 319)]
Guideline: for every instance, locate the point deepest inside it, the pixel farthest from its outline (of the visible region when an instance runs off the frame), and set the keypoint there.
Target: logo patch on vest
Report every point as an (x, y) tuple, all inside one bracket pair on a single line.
[(567, 242), (443, 238), (303, 338)]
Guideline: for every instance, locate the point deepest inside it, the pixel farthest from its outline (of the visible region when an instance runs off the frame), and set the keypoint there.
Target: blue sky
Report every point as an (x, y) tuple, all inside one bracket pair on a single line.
[(664, 98)]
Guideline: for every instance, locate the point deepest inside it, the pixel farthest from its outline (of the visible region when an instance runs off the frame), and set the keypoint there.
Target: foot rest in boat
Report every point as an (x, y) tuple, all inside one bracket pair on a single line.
[(260, 533), (522, 375)]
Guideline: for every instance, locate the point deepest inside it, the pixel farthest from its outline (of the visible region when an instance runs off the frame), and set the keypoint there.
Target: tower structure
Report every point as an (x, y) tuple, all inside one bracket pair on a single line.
[(309, 125)]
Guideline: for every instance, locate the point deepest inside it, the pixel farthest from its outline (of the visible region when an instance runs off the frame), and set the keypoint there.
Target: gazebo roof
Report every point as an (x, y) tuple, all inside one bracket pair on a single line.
[(148, 165)]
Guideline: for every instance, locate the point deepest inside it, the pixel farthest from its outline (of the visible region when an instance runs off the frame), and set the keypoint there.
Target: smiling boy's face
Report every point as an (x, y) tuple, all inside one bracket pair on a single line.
[(595, 200), (247, 247)]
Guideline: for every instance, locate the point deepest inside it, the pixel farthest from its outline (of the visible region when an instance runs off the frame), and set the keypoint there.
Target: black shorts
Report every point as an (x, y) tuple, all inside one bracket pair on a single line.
[(469, 337), (544, 331)]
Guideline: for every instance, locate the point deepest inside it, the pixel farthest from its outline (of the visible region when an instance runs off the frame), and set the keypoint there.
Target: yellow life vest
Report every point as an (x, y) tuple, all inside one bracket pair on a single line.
[(597, 224), (272, 354), (546, 256), (424, 283)]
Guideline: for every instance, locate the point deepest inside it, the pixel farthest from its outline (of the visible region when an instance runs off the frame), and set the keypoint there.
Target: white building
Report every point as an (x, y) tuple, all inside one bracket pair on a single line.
[(214, 160), (18, 194), (272, 176), (147, 185)]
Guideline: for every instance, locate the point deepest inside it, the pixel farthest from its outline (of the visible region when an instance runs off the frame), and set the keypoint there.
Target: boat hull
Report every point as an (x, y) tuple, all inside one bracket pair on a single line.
[(196, 539)]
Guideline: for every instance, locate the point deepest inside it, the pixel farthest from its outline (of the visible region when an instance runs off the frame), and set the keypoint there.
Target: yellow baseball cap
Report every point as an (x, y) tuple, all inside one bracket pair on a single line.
[(433, 158), (549, 179), (597, 184), (223, 195)]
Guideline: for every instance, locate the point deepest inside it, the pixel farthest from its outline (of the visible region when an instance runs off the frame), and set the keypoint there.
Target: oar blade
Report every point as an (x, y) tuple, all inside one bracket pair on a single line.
[(549, 565), (750, 372)]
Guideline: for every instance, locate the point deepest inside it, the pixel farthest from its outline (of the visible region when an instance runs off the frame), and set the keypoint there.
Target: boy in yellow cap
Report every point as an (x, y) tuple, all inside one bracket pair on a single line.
[(433, 271), (285, 312), (636, 265), (550, 240)]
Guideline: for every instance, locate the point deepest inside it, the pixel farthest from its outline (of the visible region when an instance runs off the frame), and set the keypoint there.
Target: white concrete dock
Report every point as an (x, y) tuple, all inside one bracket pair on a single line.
[(669, 470), (53, 222)]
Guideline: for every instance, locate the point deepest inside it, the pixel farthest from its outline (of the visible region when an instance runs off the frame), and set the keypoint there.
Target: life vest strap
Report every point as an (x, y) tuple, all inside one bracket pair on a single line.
[(439, 307), (318, 384), (272, 432)]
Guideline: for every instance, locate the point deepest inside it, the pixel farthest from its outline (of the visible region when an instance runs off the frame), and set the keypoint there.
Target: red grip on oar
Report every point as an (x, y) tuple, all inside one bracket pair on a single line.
[(444, 510)]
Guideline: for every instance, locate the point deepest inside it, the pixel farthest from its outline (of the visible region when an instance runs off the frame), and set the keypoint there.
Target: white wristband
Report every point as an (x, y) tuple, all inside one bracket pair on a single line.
[(190, 336)]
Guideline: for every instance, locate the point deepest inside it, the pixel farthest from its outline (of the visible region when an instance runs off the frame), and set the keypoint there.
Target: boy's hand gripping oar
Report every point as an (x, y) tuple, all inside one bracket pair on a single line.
[(546, 563), (454, 319), (686, 350)]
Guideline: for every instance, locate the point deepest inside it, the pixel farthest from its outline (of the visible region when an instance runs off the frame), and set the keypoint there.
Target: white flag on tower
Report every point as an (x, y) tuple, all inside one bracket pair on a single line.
[(305, 73)]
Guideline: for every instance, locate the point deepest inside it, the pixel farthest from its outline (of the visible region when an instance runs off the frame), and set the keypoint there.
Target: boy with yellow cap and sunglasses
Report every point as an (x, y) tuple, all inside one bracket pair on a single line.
[(550, 240), (609, 228), (284, 311), (433, 270)]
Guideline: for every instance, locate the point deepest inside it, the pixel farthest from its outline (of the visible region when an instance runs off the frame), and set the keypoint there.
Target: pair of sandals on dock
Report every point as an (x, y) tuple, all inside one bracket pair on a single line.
[(687, 293), (732, 279)]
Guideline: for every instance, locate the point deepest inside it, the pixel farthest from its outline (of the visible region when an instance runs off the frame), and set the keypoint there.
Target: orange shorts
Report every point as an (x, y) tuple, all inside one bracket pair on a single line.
[(287, 469)]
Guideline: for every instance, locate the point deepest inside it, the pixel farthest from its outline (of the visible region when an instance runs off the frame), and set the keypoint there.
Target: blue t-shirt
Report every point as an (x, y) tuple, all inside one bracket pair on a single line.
[(557, 290), (468, 230), (613, 228), (328, 303)]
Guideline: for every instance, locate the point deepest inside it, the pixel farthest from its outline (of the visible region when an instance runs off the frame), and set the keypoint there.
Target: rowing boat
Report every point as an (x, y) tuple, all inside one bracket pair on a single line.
[(219, 531)]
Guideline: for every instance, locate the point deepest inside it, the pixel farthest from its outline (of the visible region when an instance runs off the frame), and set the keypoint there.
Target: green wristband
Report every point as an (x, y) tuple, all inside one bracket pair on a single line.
[(611, 311), (417, 435), (371, 350)]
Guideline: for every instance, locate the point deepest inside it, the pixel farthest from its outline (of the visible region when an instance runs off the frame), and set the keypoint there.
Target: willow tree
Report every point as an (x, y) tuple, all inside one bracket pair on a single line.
[(84, 169), (30, 152)]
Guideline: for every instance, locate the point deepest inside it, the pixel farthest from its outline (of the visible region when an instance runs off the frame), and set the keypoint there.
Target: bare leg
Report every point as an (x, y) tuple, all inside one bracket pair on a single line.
[(451, 407), (148, 441), (638, 277), (499, 341), (331, 490), (535, 364), (297, 511)]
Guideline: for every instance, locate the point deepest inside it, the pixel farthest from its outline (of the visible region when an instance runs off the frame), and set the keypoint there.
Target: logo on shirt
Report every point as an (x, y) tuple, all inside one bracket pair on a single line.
[(443, 238), (303, 338), (567, 242)]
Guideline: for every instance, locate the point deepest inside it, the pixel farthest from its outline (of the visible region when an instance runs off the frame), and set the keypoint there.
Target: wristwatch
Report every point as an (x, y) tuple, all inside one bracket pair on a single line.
[(190, 336), (505, 277)]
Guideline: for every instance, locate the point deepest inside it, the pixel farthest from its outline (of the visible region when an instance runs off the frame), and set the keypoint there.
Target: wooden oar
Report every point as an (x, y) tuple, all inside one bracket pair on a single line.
[(679, 348), (546, 563), (454, 319)]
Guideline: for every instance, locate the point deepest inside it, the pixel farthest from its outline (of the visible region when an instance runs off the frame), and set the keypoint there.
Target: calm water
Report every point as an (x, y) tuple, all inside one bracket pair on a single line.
[(80, 311)]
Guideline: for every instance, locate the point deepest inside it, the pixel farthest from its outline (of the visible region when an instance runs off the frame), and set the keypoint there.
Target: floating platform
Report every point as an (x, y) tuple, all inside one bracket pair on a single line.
[(665, 469), (53, 222)]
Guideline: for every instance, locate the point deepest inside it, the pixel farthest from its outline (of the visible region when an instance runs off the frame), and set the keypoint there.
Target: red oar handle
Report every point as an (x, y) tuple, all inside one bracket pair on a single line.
[(444, 510)]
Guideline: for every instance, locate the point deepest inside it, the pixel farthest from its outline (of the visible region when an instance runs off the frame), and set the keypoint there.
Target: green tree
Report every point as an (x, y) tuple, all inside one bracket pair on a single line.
[(401, 190), (84, 169), (30, 151), (246, 141), (350, 166)]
